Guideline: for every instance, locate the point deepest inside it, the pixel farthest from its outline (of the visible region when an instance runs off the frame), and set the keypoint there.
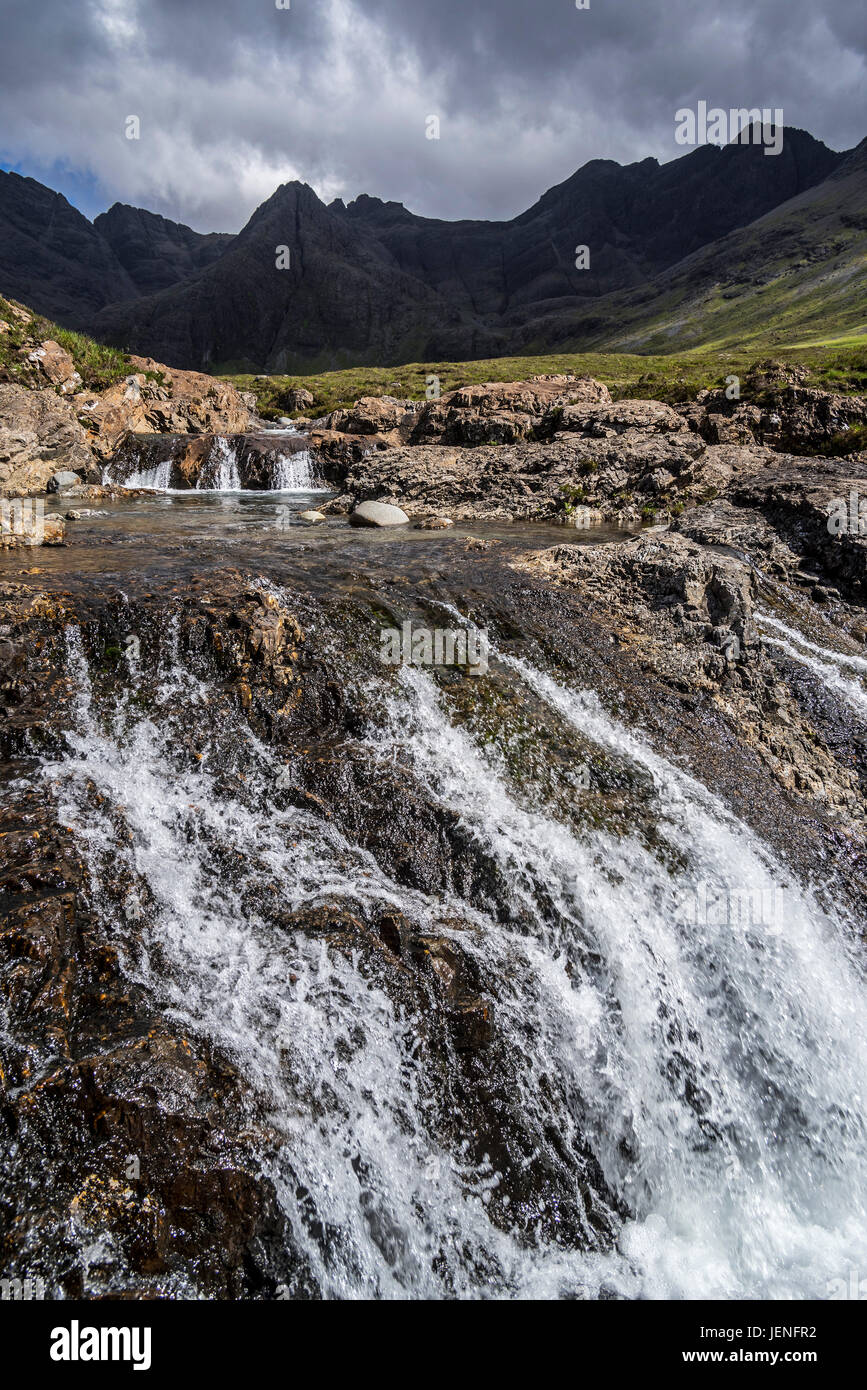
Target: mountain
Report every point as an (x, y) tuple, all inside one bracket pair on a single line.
[(52, 258), (792, 273), (341, 295), (155, 252), (372, 283)]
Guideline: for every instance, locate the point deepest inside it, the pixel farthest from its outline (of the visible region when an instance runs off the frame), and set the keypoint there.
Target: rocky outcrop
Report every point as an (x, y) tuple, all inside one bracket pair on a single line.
[(776, 409), (55, 364), (154, 399), (684, 614), (503, 412), (50, 421), (557, 481), (39, 434)]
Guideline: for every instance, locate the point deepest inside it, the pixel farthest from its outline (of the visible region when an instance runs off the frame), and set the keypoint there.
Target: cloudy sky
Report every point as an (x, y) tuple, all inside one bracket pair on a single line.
[(237, 96)]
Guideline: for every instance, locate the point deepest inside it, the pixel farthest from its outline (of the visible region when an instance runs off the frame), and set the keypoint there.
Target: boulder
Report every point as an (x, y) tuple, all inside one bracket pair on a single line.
[(378, 415), (62, 481), (312, 517), (298, 398), (378, 514)]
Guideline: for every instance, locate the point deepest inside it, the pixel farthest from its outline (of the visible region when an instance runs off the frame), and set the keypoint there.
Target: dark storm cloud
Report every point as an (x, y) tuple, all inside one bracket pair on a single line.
[(236, 96)]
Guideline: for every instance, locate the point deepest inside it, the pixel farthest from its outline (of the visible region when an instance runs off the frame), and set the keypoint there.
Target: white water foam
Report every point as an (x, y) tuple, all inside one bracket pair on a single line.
[(716, 1072), (153, 479), (220, 470), (294, 473), (825, 663)]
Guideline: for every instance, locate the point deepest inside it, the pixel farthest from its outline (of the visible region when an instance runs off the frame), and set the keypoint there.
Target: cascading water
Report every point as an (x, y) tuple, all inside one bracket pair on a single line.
[(220, 471), (157, 479), (825, 663), (713, 1067), (294, 473)]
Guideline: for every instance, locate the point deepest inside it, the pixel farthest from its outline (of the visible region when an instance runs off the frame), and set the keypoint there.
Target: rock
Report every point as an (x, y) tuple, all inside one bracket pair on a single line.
[(502, 412), (298, 398), (520, 482), (61, 481), (377, 514), (778, 411), (38, 435), (157, 399), (660, 480), (434, 523), (312, 516), (55, 364)]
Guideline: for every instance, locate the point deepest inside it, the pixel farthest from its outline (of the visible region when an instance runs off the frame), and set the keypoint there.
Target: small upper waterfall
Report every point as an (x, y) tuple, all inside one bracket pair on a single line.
[(293, 473), (221, 463), (158, 479), (220, 471)]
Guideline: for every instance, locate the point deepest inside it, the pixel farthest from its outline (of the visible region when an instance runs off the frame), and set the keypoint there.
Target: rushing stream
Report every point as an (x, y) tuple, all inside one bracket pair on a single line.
[(680, 1039)]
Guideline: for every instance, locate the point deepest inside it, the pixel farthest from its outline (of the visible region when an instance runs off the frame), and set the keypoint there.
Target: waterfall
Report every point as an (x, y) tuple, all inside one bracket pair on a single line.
[(825, 663), (220, 471), (157, 479), (714, 1069), (293, 473)]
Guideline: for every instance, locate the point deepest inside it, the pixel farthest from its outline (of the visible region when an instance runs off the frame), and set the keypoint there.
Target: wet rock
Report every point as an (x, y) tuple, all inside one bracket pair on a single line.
[(312, 516), (377, 514)]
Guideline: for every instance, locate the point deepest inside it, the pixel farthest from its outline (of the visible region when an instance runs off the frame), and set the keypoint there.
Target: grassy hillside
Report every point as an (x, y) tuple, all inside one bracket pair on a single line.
[(797, 275), (99, 366), (839, 365)]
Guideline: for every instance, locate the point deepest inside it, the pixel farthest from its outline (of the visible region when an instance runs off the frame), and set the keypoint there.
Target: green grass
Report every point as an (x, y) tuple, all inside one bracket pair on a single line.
[(838, 365), (99, 366)]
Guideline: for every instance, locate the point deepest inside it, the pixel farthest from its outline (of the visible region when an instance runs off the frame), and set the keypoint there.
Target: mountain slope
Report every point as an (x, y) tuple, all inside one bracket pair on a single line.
[(154, 251), (372, 282), (790, 274), (52, 258)]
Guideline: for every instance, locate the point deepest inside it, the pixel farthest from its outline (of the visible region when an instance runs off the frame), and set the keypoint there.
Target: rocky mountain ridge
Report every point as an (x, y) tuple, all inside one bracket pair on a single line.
[(372, 282)]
